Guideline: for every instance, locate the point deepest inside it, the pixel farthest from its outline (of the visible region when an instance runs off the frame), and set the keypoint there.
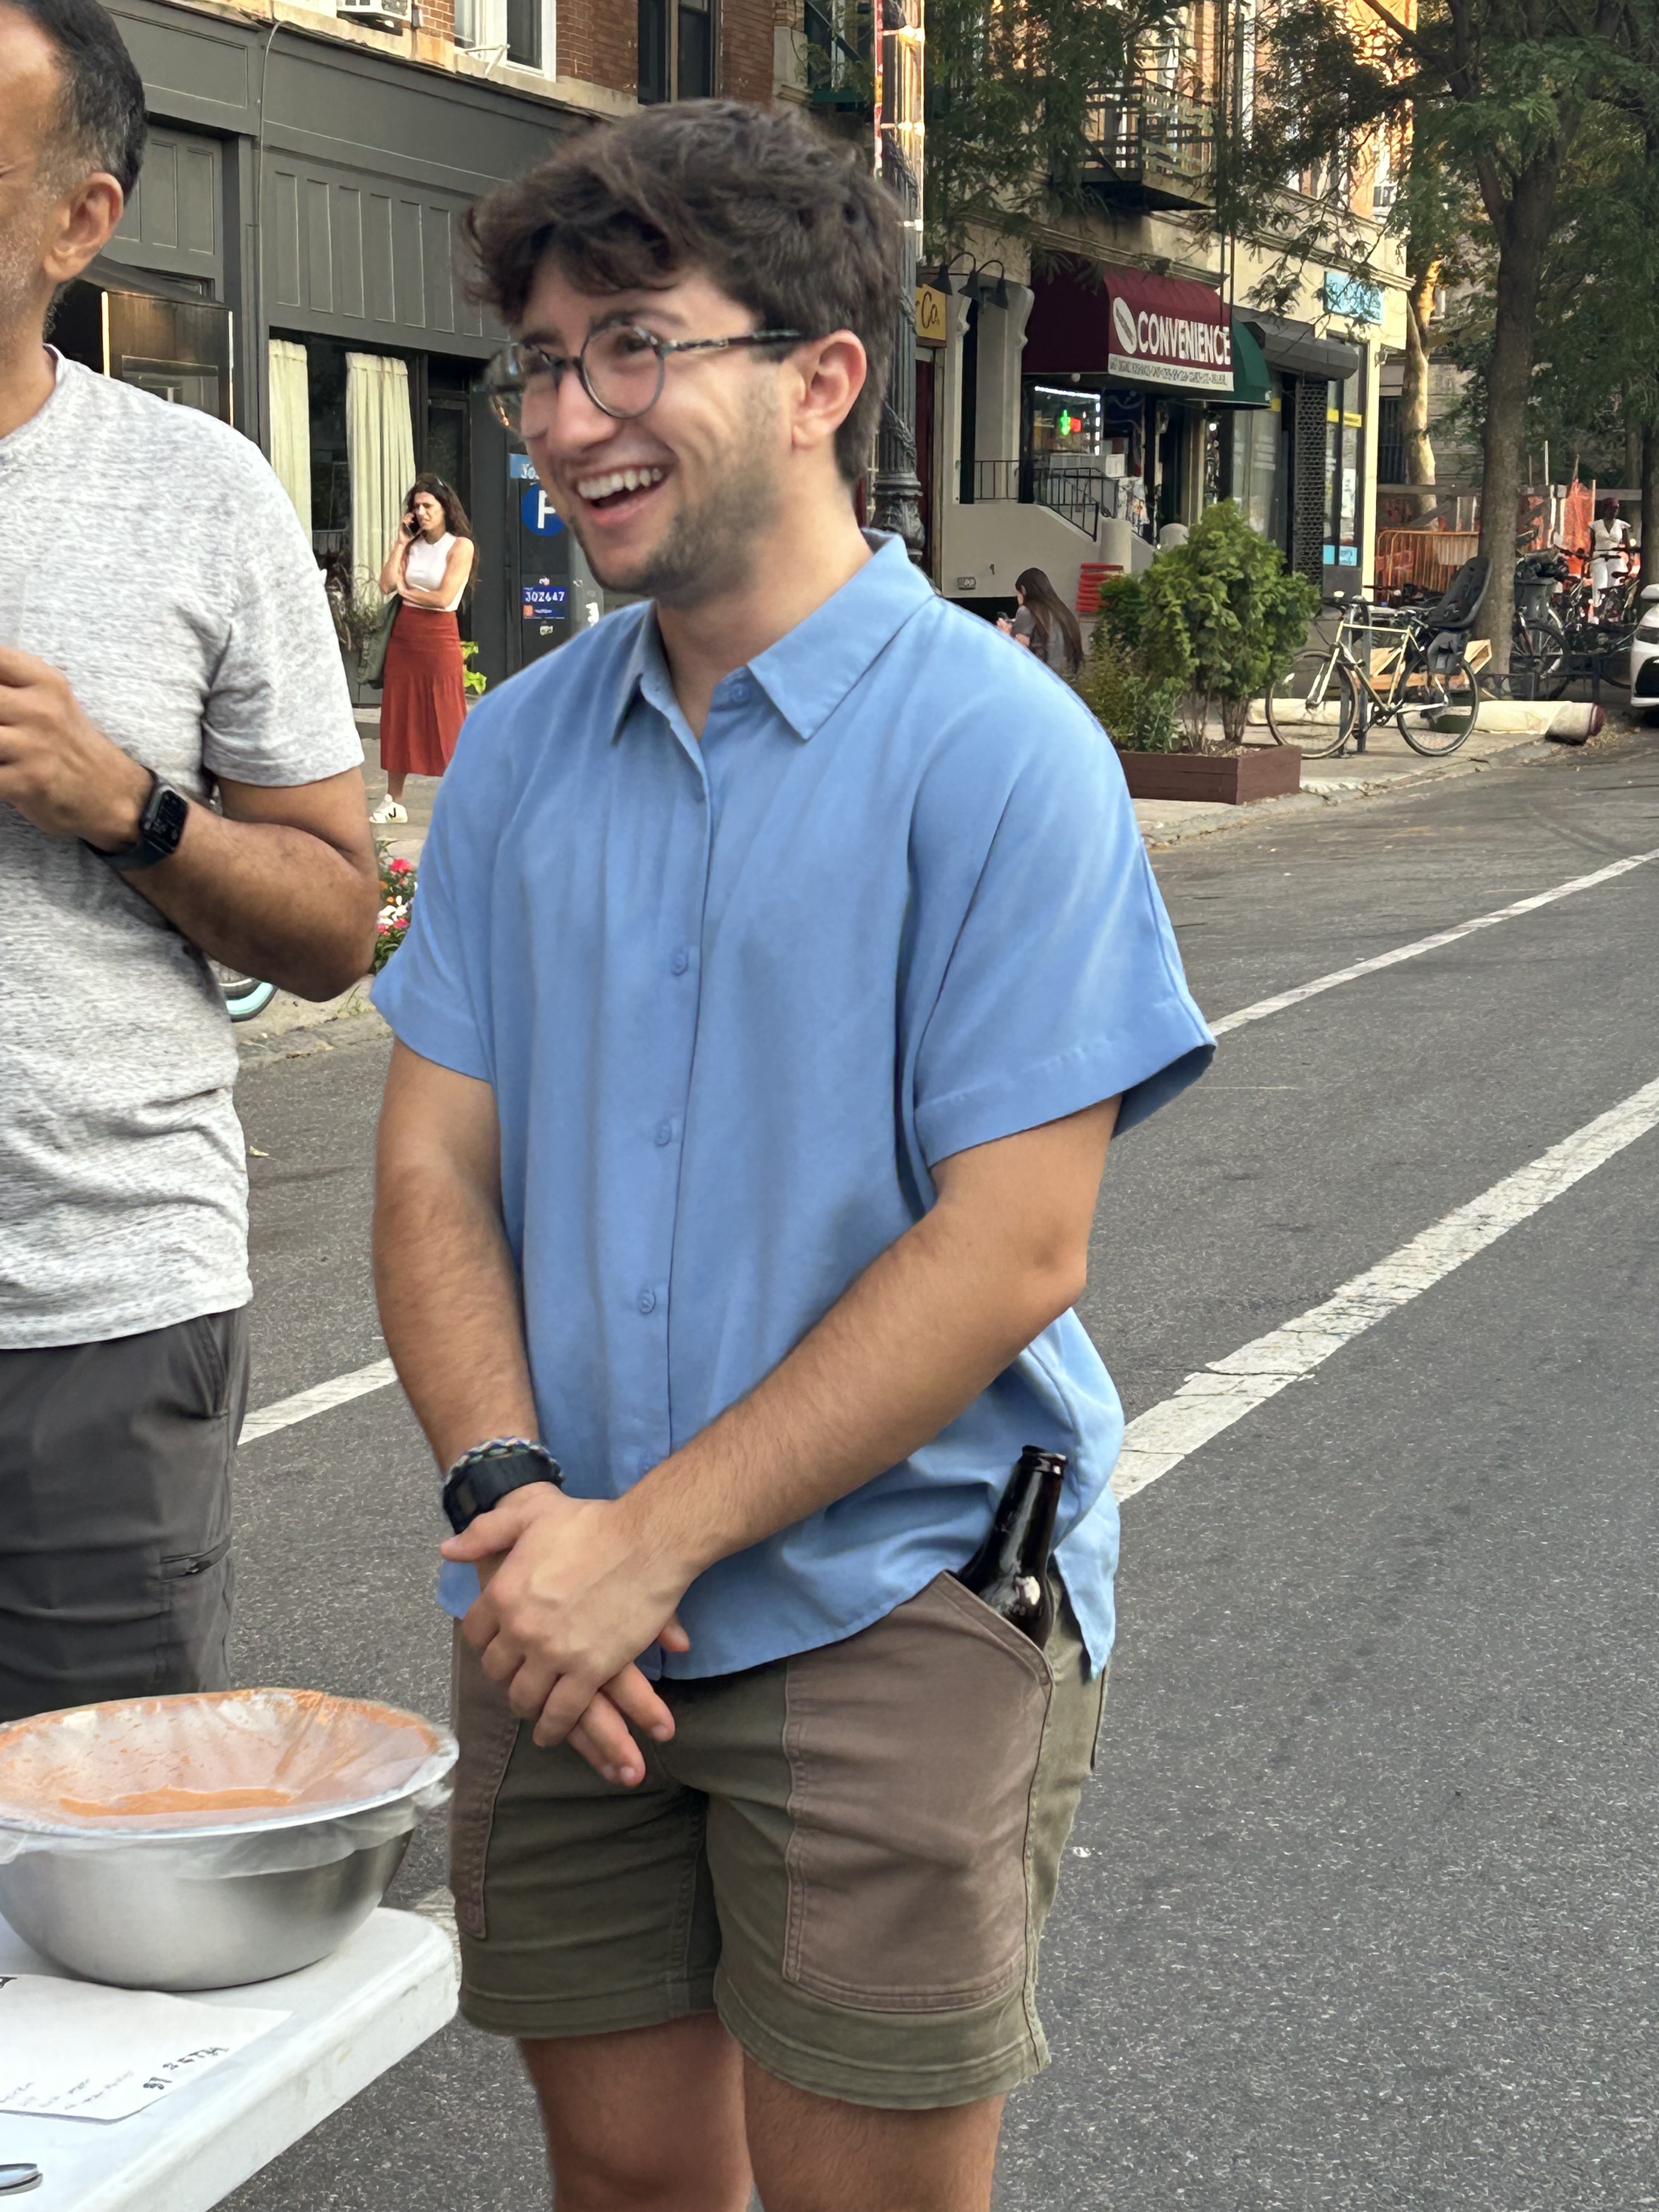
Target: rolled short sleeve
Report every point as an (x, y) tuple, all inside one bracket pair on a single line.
[(433, 992), (278, 711), (1063, 986)]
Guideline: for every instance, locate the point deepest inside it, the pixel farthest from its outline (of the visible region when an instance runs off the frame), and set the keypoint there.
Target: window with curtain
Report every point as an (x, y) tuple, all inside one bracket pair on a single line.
[(291, 424), (380, 449)]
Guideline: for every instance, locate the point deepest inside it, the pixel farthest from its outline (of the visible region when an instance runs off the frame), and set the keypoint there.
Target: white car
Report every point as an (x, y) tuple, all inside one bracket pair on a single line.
[(1644, 657)]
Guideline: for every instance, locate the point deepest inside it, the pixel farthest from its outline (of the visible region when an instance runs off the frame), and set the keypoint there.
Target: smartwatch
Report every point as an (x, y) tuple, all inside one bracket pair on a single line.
[(161, 827), (481, 1477)]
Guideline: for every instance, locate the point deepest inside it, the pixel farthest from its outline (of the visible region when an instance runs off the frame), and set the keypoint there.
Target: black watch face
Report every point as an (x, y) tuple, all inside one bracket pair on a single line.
[(165, 818)]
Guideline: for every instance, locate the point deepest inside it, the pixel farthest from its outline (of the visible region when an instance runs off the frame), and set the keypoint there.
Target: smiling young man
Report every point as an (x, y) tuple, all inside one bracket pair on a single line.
[(164, 640), (784, 957)]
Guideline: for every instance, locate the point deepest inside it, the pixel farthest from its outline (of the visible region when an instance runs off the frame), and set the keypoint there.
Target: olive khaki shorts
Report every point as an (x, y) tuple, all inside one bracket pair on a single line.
[(848, 1854)]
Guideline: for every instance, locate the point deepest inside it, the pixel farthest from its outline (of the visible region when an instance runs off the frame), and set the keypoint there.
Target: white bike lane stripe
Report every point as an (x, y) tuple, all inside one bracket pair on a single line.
[(379, 1374), (323, 1399), (1281, 1000), (1218, 1395)]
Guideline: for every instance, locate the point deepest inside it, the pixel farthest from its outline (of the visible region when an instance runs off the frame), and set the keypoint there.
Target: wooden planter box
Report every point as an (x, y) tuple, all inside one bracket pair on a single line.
[(1229, 779)]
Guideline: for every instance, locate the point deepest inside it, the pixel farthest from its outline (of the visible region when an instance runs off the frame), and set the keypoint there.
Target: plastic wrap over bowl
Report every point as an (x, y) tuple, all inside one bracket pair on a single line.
[(194, 1842)]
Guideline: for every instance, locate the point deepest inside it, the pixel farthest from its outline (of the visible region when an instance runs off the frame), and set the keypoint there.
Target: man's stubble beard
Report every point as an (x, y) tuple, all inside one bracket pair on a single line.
[(19, 275), (21, 319), (710, 548)]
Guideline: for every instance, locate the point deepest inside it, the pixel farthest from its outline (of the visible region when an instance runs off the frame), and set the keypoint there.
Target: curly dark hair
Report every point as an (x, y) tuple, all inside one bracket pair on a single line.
[(455, 520), (786, 221)]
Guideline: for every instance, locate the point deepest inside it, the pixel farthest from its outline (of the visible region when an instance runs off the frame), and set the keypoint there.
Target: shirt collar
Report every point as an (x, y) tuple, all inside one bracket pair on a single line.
[(810, 669)]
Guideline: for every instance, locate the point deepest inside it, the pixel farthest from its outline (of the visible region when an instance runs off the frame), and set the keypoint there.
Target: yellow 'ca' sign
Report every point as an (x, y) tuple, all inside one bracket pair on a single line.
[(930, 315)]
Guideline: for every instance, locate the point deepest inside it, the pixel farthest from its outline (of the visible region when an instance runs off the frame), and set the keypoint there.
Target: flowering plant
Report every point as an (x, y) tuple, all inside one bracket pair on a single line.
[(397, 881)]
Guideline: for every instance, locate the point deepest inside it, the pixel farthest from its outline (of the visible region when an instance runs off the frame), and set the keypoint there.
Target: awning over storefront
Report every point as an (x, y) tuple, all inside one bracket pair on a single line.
[(1297, 348), (1253, 384), (1172, 331)]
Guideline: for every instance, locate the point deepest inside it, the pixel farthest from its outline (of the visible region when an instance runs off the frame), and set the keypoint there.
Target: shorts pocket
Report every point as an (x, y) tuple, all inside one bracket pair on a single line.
[(913, 1750), (487, 1728)]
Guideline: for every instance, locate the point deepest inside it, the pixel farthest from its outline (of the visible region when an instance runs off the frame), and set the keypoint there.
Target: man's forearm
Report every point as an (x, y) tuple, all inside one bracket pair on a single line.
[(449, 1307), (912, 1343), (273, 900), (905, 1350)]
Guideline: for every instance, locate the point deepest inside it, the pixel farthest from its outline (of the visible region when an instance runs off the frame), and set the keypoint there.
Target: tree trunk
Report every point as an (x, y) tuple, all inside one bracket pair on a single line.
[(1650, 482), (1415, 389), (1523, 236)]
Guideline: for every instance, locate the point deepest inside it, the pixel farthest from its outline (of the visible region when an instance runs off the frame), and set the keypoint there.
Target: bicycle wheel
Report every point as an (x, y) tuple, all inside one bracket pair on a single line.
[(246, 996), (1439, 707), (1313, 706), (1538, 659)]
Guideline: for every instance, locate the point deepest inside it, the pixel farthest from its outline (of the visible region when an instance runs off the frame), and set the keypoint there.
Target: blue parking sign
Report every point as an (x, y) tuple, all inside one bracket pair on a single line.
[(538, 515)]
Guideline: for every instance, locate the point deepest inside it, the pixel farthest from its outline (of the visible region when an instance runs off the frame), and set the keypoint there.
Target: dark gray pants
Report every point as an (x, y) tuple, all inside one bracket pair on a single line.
[(115, 1571)]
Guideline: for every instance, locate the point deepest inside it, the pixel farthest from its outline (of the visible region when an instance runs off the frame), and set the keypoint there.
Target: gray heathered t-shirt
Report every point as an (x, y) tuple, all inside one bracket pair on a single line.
[(148, 552)]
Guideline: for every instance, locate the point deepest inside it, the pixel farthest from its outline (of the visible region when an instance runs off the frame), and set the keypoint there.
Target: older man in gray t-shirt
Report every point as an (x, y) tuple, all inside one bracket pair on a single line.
[(164, 639)]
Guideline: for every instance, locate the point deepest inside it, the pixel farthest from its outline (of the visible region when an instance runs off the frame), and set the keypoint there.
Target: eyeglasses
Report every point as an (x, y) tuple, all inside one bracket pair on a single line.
[(622, 368)]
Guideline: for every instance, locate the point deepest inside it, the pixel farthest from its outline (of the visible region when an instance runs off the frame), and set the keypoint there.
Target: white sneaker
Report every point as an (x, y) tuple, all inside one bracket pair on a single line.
[(390, 810)]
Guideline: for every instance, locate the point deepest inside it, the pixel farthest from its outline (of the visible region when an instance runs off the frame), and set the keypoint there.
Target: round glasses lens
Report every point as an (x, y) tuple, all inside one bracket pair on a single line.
[(623, 369)]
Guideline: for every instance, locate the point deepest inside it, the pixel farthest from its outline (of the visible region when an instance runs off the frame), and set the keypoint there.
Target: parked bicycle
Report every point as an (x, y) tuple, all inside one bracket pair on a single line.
[(1407, 665), (246, 996), (1537, 641), (1565, 627)]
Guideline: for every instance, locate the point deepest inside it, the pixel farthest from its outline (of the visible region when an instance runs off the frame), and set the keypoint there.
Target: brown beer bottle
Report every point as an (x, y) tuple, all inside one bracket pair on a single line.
[(1009, 1570)]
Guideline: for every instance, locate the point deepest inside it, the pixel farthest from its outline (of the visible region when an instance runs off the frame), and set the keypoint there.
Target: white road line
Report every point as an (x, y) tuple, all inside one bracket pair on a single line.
[(1280, 1000), (326, 1396), (1222, 1392)]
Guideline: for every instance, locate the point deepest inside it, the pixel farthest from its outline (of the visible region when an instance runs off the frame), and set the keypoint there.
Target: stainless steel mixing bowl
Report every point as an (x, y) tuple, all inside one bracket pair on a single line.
[(200, 1842), (136, 1917)]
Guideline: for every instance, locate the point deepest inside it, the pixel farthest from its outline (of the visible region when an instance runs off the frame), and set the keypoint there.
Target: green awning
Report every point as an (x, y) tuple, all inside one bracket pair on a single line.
[(1252, 384)]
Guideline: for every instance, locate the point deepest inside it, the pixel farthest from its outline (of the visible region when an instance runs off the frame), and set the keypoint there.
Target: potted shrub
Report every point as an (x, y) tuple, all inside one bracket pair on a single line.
[(1209, 626)]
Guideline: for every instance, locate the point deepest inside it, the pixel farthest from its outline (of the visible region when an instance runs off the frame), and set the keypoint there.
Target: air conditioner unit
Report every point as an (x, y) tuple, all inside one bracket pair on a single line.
[(378, 15)]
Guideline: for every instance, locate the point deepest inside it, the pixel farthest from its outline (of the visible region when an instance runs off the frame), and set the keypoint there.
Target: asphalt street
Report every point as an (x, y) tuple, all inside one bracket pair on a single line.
[(1363, 1906)]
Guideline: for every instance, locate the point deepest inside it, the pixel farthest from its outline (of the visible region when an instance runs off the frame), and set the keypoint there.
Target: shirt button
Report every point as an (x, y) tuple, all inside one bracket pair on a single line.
[(680, 963), (739, 695), (647, 1302), (664, 1132)]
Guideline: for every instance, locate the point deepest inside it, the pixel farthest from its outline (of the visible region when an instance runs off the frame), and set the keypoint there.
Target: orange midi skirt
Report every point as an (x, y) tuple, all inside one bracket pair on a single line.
[(422, 699)]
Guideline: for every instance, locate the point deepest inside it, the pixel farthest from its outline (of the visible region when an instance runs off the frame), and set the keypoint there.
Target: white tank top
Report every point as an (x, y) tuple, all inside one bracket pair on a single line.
[(425, 565)]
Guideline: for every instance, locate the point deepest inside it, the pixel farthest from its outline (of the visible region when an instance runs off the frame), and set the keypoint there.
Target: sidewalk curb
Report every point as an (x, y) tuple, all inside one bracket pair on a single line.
[(351, 1025), (1318, 795)]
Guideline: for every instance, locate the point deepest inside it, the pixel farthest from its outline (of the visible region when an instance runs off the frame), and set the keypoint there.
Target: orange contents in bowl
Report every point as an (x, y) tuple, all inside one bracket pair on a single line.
[(141, 1764), (182, 1801)]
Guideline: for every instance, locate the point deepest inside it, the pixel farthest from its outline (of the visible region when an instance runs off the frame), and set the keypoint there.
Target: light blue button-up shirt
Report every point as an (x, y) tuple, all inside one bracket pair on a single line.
[(737, 999)]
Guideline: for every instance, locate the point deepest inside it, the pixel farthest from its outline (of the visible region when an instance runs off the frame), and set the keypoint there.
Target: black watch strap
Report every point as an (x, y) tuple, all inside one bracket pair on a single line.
[(160, 829), (481, 1478)]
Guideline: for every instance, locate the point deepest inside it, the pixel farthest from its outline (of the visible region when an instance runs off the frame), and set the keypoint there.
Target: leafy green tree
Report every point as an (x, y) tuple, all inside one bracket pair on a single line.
[(1595, 389), (1014, 96), (1494, 96)]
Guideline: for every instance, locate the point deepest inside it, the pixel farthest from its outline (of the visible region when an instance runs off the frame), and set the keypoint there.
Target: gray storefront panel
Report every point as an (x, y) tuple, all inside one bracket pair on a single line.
[(175, 222), (350, 257)]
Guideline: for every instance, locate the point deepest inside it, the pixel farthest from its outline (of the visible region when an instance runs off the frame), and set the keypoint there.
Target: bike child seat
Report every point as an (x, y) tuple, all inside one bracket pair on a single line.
[(1462, 601)]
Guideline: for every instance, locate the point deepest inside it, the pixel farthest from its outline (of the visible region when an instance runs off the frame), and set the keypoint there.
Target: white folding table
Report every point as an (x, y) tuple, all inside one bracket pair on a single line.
[(351, 2016)]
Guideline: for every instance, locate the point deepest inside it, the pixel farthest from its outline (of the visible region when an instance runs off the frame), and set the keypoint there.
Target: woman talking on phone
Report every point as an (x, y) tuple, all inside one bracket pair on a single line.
[(423, 700)]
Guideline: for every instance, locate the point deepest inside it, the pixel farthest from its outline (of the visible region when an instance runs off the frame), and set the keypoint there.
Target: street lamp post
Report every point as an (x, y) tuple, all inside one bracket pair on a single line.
[(895, 492)]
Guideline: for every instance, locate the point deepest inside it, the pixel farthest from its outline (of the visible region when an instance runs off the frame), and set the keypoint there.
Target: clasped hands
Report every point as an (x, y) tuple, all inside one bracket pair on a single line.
[(571, 1594)]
